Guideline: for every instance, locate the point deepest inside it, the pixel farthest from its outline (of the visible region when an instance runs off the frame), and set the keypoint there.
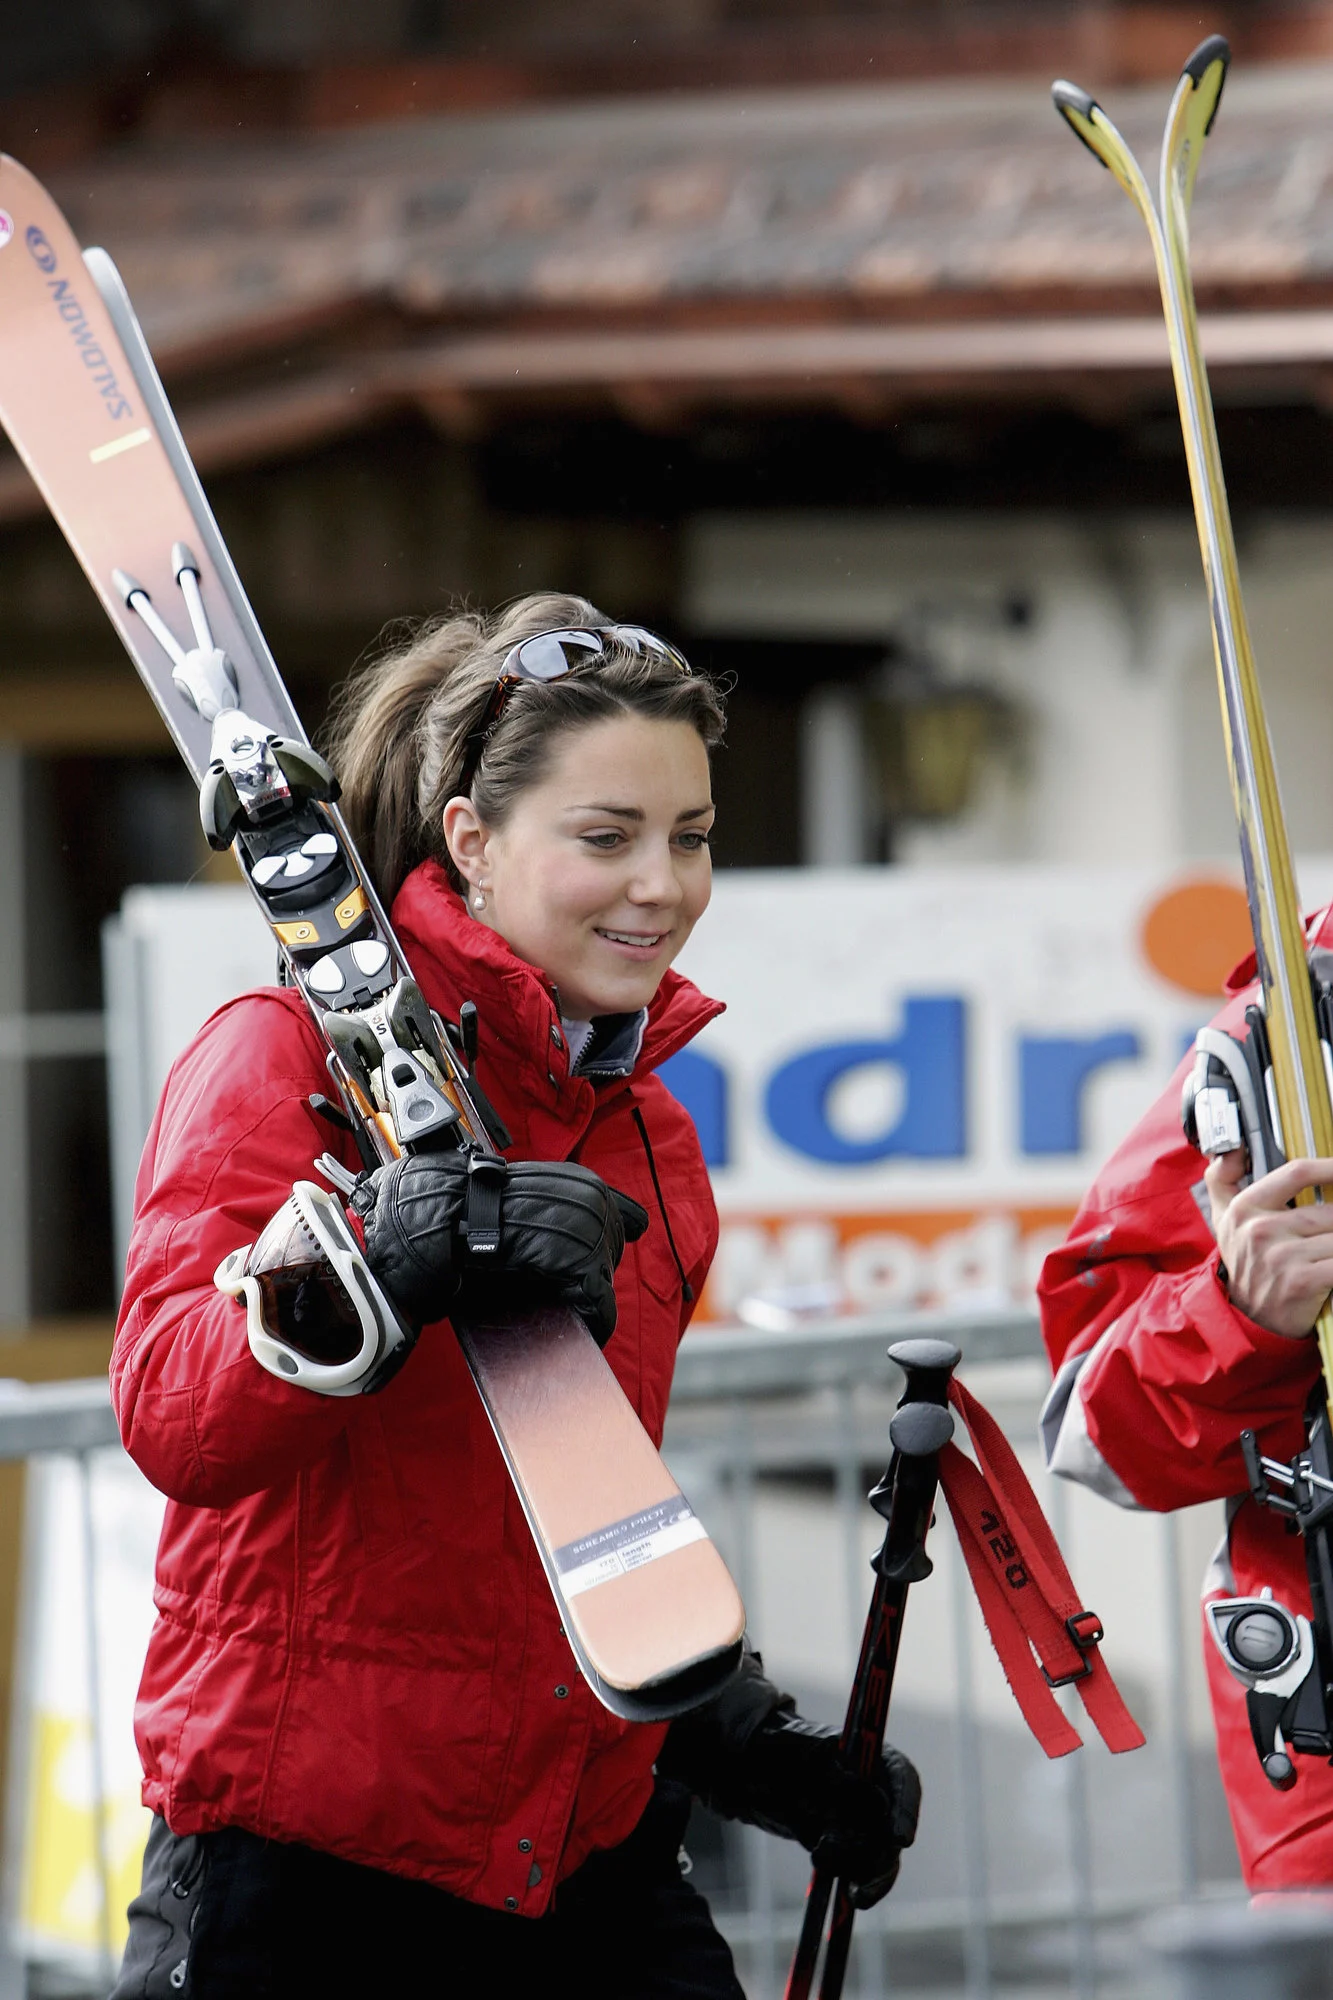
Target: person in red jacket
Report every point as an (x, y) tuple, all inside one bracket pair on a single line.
[(1179, 1312), (370, 1756)]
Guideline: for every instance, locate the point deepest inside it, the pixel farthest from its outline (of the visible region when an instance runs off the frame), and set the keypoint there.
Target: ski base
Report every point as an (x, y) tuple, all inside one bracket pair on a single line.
[(647, 1603)]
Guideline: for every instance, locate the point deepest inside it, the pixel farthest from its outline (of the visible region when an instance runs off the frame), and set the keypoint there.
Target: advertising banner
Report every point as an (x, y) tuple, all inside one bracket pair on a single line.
[(920, 1071)]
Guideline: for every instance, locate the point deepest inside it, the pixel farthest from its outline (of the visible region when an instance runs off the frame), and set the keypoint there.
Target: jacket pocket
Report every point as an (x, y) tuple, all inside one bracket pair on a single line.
[(664, 1269)]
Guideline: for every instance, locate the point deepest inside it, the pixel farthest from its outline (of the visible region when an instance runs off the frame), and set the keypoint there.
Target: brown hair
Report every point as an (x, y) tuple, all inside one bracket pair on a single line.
[(398, 727)]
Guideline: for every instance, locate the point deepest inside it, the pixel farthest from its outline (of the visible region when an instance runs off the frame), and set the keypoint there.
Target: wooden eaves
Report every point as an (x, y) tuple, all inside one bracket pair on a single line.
[(862, 248)]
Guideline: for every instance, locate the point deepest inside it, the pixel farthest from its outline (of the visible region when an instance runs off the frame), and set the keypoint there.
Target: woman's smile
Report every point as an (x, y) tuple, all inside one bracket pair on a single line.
[(643, 943)]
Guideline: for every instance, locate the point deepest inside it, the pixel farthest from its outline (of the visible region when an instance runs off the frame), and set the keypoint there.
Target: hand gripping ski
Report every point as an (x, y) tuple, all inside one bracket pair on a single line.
[(1270, 1093), (652, 1616)]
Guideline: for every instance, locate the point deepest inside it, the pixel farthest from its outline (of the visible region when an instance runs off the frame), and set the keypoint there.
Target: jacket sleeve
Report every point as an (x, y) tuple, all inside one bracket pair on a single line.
[(1156, 1373), (199, 1416)]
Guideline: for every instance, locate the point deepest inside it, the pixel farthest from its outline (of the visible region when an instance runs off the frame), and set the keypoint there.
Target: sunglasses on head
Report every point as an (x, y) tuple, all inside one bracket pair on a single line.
[(549, 656)]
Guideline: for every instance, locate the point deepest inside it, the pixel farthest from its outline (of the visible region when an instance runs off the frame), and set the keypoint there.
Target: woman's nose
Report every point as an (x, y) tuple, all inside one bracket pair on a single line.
[(655, 879)]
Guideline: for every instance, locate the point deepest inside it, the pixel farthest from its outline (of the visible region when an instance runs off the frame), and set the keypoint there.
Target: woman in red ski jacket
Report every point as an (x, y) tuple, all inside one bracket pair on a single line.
[(1179, 1312), (365, 1740)]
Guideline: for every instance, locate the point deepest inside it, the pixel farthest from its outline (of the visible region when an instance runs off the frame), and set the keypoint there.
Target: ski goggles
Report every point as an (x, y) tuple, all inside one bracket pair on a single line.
[(549, 656), (314, 1313)]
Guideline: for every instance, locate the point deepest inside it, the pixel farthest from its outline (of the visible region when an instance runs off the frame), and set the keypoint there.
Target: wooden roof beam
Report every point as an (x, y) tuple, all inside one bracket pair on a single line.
[(657, 377)]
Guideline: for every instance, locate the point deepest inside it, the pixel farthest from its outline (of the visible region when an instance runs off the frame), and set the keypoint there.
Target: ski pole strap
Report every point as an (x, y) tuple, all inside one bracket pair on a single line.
[(1043, 1635)]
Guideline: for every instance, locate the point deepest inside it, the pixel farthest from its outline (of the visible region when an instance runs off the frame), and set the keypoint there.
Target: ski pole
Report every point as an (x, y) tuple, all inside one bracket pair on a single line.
[(921, 1427)]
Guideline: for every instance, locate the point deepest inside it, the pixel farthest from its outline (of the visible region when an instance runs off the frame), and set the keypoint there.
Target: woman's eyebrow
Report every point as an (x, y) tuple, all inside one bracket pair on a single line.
[(637, 813), (616, 812)]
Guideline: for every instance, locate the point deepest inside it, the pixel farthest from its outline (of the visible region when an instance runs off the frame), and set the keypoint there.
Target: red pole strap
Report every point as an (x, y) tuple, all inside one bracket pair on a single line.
[(1044, 1637)]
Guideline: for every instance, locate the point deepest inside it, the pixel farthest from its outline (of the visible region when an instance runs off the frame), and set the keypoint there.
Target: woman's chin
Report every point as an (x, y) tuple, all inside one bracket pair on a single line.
[(583, 1000)]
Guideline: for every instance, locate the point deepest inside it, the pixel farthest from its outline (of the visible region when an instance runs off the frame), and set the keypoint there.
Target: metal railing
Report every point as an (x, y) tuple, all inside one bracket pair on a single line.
[(1022, 1881), (808, 1411)]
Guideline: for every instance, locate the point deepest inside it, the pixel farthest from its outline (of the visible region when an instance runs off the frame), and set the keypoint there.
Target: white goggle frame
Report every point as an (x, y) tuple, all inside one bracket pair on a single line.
[(382, 1332)]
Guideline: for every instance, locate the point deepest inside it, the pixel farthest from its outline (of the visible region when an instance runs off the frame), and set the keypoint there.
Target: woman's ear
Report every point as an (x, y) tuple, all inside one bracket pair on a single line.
[(466, 839)]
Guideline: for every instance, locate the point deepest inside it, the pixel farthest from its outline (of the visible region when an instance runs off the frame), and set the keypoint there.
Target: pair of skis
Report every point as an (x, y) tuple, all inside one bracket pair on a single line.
[(1287, 1669), (651, 1612)]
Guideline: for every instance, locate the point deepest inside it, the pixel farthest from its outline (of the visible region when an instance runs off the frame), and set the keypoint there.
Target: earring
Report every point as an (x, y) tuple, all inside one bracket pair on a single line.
[(479, 900)]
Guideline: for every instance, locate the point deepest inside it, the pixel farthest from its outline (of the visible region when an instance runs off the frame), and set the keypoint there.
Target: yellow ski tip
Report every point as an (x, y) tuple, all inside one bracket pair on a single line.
[(1076, 106), (1207, 70)]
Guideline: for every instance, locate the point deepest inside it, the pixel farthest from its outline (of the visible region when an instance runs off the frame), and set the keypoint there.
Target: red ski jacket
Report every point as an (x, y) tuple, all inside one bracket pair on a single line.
[(356, 1647), (1156, 1376)]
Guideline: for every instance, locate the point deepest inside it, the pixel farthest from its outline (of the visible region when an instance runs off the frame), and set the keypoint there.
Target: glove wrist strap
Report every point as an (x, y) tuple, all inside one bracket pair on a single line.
[(486, 1175)]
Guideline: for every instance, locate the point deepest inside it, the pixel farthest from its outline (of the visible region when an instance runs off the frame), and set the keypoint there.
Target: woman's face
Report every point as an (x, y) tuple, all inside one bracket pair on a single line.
[(602, 869)]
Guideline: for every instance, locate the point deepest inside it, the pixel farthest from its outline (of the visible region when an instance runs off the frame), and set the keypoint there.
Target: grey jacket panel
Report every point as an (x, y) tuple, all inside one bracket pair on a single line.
[(1070, 1451)]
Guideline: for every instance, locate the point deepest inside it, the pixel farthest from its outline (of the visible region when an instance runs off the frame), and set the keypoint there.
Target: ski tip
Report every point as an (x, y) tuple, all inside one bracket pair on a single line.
[(126, 585), (1069, 97), (1214, 49), (1076, 106)]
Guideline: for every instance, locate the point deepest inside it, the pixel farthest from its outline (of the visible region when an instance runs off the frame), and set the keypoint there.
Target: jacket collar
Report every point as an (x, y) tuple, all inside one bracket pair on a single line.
[(455, 959), (613, 1047)]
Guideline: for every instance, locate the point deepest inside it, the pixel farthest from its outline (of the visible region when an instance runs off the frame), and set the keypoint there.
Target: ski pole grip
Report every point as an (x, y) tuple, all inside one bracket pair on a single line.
[(922, 1425), (928, 1366), (919, 1430)]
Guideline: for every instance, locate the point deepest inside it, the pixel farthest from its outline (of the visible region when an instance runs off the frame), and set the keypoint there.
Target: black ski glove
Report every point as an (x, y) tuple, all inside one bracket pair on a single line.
[(748, 1755), (491, 1236)]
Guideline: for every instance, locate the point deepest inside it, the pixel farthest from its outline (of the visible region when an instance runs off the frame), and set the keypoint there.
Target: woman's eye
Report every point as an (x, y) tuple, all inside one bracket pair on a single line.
[(605, 842), (692, 841)]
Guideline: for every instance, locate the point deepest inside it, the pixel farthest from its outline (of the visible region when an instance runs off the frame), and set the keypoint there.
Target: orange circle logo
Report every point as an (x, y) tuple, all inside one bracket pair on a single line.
[(1194, 934)]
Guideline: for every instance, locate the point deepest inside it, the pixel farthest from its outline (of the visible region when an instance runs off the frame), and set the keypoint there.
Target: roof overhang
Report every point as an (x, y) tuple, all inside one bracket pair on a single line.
[(862, 249), (465, 382)]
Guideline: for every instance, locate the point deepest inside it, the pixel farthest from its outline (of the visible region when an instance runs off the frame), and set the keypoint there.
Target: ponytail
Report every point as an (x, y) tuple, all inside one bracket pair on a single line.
[(374, 743)]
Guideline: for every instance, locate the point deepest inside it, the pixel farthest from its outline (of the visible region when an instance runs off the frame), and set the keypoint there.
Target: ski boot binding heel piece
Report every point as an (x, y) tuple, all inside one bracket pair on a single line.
[(1271, 1652)]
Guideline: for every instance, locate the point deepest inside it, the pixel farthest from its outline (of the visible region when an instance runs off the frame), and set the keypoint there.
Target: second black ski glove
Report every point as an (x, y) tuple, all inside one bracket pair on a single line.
[(748, 1755), (487, 1235)]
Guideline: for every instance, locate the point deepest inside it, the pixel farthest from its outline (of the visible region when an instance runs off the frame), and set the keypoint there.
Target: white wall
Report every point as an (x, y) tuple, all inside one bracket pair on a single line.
[(1122, 759)]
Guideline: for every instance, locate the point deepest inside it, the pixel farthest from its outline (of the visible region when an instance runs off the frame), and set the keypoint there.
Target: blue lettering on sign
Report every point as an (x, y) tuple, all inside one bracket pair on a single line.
[(930, 1055), (700, 1084), (1053, 1072)]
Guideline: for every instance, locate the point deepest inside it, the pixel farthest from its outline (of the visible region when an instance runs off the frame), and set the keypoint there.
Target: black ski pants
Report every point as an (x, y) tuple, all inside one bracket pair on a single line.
[(228, 1916)]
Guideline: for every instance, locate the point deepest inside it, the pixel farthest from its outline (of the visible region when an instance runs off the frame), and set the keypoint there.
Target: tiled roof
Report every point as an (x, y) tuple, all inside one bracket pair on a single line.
[(925, 200), (864, 247)]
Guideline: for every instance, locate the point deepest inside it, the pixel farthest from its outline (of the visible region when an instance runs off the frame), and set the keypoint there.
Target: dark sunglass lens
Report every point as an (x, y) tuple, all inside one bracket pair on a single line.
[(547, 656)]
